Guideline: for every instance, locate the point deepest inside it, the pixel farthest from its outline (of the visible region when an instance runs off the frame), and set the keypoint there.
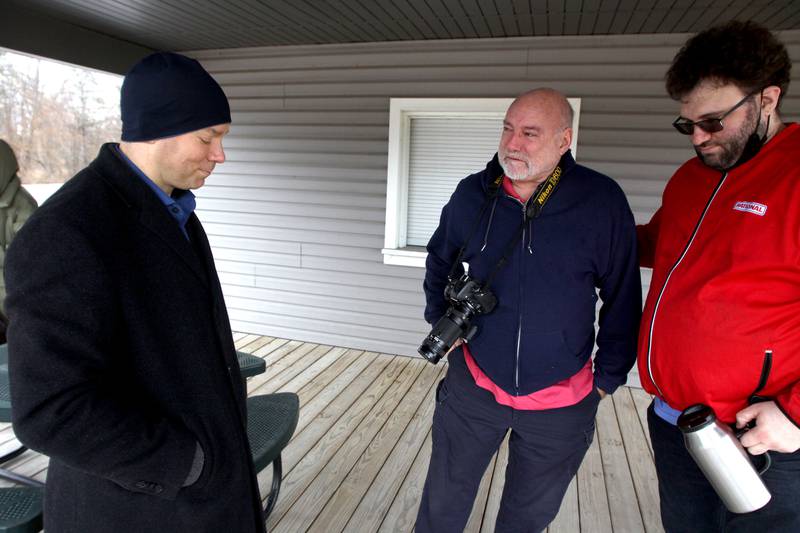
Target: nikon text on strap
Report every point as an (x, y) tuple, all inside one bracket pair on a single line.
[(543, 193), (540, 197)]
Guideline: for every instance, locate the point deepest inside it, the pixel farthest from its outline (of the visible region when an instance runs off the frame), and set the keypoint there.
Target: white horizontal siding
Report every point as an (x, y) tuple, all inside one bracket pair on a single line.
[(296, 214)]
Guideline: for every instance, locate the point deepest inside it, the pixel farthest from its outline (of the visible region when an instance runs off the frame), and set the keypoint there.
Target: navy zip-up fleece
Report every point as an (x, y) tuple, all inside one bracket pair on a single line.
[(542, 330)]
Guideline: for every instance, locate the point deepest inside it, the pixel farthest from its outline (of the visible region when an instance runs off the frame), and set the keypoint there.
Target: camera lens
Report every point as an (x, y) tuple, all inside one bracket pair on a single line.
[(432, 349), (445, 333)]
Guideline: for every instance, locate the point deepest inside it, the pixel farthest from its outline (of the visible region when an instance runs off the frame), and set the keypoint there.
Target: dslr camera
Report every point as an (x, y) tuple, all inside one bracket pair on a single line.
[(468, 298)]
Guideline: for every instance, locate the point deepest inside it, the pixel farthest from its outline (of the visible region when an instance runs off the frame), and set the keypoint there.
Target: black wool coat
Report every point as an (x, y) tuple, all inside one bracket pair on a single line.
[(121, 361)]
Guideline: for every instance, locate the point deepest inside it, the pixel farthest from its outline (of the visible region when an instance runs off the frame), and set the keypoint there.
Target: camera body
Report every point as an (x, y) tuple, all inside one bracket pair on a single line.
[(468, 298)]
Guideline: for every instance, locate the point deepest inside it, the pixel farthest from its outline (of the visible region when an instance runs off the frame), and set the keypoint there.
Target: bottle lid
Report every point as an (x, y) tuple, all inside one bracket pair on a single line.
[(696, 417)]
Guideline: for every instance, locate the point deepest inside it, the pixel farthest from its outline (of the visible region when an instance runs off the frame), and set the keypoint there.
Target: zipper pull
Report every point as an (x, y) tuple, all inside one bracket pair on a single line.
[(762, 380)]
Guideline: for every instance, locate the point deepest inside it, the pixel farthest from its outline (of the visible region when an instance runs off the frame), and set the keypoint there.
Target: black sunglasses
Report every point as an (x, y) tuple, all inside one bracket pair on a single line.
[(708, 125)]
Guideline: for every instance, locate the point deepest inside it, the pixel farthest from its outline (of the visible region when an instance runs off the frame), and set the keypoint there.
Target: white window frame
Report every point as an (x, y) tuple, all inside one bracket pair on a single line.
[(401, 111)]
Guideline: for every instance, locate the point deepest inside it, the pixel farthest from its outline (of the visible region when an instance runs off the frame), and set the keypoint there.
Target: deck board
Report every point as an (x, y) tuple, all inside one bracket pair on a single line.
[(349, 493), (384, 488), (403, 510), (592, 488), (622, 506), (244, 340), (292, 364), (339, 419), (358, 459), (640, 460), (642, 400), (256, 344), (340, 448)]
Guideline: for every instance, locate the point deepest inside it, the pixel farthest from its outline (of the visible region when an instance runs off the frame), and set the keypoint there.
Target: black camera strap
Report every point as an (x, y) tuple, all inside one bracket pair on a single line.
[(543, 193), (534, 208), (491, 194)]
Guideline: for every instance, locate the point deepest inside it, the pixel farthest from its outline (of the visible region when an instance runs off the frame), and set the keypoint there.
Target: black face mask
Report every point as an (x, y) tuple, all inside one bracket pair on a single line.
[(754, 143)]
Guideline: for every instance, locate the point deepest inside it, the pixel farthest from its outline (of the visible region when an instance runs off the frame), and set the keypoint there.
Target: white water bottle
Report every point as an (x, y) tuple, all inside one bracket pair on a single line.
[(724, 461)]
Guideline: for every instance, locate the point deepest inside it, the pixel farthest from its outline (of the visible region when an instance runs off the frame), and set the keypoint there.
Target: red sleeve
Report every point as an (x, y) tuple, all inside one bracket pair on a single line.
[(789, 402), (647, 237)]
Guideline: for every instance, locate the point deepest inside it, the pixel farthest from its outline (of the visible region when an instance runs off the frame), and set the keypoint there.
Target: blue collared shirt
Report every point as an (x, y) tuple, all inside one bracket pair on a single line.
[(665, 411), (180, 205)]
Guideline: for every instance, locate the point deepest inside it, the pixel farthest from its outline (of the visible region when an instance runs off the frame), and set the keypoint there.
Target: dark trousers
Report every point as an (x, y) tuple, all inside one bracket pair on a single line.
[(545, 450), (689, 503)]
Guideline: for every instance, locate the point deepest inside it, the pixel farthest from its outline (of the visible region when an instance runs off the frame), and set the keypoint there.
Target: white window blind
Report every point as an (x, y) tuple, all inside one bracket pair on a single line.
[(442, 151)]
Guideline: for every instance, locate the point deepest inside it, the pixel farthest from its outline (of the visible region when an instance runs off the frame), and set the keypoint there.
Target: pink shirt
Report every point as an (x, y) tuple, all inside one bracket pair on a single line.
[(562, 394)]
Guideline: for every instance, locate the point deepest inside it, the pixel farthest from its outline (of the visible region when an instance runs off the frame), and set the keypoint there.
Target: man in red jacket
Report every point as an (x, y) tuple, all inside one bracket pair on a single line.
[(721, 324)]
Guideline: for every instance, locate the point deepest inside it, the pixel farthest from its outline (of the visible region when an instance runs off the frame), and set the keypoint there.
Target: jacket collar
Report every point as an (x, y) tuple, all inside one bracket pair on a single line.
[(151, 213)]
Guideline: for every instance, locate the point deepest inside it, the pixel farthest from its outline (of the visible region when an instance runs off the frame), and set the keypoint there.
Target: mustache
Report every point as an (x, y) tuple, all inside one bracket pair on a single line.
[(516, 155)]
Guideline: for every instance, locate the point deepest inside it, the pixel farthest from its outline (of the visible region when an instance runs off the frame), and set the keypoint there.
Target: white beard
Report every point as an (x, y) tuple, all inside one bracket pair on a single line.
[(516, 176)]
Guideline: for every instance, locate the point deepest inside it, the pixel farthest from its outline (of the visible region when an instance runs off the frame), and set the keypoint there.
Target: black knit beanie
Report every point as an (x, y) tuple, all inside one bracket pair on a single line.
[(167, 94)]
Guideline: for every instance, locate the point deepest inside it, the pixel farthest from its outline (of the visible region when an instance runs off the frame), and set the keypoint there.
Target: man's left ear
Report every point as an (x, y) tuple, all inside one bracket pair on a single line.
[(566, 141), (769, 98)]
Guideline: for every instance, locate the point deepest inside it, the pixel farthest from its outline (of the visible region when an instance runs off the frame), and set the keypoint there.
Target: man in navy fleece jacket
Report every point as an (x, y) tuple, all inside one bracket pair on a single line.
[(529, 368)]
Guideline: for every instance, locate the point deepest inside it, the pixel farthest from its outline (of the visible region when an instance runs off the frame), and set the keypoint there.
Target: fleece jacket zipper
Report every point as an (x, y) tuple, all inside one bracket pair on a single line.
[(666, 282)]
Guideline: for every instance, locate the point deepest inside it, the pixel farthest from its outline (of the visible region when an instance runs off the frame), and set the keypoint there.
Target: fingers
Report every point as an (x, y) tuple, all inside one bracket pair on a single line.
[(750, 439), (747, 414), (772, 431), (757, 441), (455, 345), (753, 439), (757, 449)]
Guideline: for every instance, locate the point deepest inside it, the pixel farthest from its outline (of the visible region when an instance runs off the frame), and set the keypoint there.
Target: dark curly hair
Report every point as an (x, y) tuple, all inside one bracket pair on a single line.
[(742, 53)]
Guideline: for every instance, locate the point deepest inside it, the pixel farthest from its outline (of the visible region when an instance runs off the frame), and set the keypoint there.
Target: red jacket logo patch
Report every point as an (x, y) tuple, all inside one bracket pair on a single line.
[(751, 207)]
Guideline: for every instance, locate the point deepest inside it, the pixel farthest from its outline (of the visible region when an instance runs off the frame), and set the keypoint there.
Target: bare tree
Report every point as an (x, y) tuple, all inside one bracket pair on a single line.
[(55, 131)]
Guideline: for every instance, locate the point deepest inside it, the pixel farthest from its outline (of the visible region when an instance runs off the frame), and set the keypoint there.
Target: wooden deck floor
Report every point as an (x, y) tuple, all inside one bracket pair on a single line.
[(358, 458)]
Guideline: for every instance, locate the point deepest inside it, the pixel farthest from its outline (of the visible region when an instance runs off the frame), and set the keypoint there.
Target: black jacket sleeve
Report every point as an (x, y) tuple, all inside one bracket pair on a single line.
[(621, 294), (442, 251)]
